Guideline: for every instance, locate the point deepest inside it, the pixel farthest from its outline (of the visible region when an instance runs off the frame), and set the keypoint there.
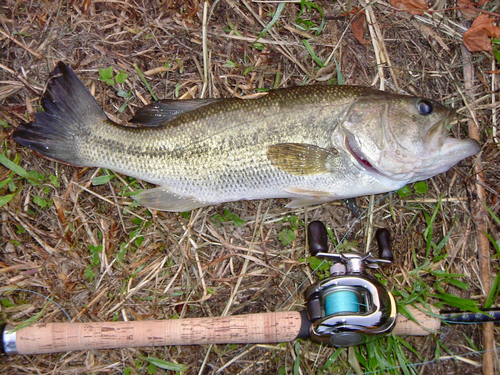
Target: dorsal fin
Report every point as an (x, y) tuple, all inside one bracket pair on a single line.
[(163, 111)]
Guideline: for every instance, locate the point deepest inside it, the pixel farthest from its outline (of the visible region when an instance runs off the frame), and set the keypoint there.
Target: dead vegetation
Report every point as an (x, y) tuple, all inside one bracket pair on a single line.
[(86, 248)]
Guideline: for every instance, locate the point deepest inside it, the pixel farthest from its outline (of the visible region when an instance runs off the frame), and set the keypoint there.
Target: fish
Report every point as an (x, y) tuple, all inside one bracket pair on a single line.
[(312, 144)]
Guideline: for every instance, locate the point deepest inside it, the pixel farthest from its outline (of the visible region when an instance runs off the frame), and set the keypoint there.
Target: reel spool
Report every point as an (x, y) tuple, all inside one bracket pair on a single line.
[(350, 307)]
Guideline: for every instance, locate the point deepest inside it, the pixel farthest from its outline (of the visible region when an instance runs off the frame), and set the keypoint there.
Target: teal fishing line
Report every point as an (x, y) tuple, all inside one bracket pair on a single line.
[(341, 301)]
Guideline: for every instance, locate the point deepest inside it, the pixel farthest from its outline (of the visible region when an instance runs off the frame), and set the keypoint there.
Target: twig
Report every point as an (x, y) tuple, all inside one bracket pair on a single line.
[(22, 45), (107, 200), (49, 37), (369, 225), (494, 114), (102, 292), (381, 54), (480, 218), (30, 230), (205, 49), (142, 283), (18, 76), (261, 40)]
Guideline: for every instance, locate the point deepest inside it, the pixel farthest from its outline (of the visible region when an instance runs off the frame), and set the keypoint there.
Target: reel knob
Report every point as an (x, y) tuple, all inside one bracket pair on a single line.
[(318, 238), (383, 237)]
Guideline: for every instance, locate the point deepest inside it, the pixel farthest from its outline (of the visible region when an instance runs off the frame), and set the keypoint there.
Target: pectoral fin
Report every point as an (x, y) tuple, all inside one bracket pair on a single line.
[(162, 200), (302, 159)]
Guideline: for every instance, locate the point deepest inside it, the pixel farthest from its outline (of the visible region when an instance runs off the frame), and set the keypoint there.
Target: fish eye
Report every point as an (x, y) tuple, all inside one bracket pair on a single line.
[(425, 107)]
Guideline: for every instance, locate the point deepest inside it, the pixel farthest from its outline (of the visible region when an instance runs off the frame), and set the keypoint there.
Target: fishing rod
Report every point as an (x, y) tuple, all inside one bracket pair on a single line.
[(348, 308)]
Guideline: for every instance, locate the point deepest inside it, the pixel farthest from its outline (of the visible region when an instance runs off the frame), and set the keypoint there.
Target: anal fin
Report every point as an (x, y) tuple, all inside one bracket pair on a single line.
[(307, 201), (305, 197), (162, 200)]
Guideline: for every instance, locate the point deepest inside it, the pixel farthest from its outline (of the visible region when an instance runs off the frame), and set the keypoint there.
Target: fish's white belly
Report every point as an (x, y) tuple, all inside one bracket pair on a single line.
[(325, 187)]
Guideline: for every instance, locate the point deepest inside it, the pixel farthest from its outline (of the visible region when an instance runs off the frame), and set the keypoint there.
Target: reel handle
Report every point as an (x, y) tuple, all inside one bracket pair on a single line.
[(318, 247)]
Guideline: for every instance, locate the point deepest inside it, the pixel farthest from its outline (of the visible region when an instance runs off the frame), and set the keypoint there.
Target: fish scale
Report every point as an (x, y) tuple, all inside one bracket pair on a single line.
[(312, 143)]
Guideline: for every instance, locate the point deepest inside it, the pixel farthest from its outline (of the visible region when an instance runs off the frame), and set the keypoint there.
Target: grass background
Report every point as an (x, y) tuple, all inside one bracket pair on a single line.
[(73, 234)]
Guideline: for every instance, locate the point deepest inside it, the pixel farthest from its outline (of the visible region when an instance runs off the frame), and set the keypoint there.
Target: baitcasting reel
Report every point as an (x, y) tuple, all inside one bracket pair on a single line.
[(350, 307)]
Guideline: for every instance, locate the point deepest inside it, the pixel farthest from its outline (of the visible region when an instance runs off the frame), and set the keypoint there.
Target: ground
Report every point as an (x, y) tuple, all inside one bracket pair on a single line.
[(72, 234)]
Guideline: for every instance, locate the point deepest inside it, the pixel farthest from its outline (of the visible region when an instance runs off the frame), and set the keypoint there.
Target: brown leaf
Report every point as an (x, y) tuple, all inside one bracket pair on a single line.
[(468, 9), (411, 6), (477, 38), (352, 11), (358, 27), (86, 5)]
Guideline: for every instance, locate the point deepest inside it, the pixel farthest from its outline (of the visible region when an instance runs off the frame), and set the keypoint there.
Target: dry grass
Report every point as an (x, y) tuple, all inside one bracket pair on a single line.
[(176, 266)]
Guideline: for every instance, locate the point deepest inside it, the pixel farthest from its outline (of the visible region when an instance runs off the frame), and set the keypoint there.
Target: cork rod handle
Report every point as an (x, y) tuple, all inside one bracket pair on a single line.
[(62, 337)]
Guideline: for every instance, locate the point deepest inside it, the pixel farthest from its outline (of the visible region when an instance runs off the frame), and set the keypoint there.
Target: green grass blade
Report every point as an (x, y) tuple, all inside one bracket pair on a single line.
[(495, 217), (407, 345), (7, 163), (165, 364), (30, 321), (495, 243), (340, 77), (454, 301), (6, 199), (275, 18), (101, 180), (296, 363), (494, 292), (353, 360), (5, 182), (146, 83), (331, 360), (311, 52)]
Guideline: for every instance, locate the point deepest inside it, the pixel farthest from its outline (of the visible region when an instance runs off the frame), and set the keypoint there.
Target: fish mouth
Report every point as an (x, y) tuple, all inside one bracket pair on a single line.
[(354, 150), (452, 151), (446, 151)]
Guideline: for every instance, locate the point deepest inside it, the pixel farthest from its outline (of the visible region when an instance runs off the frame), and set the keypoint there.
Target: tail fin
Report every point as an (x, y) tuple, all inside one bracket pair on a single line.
[(70, 110)]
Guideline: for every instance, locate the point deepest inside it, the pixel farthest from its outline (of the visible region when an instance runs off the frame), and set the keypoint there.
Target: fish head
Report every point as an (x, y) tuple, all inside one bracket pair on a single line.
[(402, 137)]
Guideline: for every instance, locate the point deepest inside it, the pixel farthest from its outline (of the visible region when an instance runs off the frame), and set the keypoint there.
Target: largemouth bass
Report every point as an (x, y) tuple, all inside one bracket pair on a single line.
[(313, 144)]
